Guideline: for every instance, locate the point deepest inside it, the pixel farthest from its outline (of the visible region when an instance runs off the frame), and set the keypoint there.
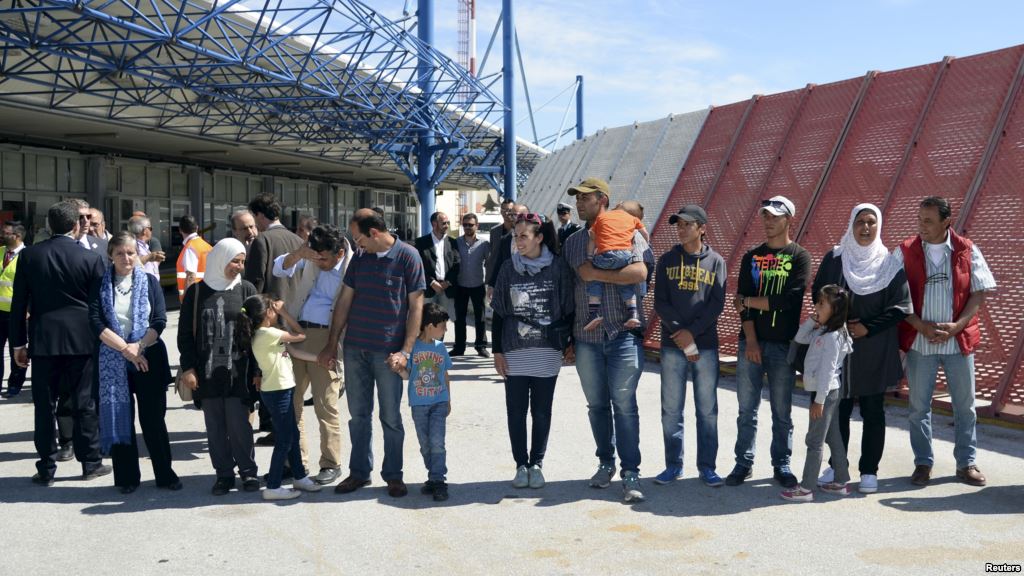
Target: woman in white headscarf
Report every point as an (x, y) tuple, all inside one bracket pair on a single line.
[(880, 300), (219, 371)]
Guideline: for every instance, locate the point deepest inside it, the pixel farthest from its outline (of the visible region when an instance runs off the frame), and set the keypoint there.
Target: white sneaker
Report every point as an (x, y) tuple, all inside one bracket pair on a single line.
[(280, 493), (827, 477), (868, 484), (522, 479), (306, 484), (536, 477)]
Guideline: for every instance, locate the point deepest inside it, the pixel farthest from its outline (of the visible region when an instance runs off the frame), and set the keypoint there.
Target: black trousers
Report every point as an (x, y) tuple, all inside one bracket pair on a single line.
[(872, 442), (537, 395), (463, 296), (73, 378), (150, 397), (17, 377)]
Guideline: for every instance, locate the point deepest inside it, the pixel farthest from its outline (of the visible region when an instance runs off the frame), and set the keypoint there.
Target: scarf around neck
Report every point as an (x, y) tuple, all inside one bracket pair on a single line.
[(116, 426), (532, 266)]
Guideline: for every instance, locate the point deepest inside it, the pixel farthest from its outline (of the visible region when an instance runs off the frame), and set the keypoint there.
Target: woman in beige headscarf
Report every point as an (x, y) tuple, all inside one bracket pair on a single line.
[(217, 368)]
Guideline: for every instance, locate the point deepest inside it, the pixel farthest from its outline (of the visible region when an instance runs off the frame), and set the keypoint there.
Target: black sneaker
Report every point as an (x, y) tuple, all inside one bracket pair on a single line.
[(785, 476), (101, 470), (222, 486), (66, 453), (251, 484), (738, 475), (42, 480), (440, 492), (428, 487)]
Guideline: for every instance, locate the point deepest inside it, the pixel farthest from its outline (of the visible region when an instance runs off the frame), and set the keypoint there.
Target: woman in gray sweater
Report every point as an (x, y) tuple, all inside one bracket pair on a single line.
[(533, 295)]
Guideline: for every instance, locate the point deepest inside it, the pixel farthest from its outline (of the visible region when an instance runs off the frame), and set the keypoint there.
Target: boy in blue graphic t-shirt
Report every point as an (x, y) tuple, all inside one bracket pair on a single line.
[(429, 398)]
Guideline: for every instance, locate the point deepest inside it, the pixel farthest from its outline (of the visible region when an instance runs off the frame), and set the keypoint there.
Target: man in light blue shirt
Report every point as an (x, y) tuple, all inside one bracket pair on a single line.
[(320, 264)]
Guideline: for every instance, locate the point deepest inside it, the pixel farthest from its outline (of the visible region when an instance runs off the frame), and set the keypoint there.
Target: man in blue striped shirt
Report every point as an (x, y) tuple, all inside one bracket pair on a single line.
[(379, 309), (948, 280)]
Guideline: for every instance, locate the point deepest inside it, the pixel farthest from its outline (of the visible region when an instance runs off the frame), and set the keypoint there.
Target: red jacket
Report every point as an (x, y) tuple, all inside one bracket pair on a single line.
[(960, 260)]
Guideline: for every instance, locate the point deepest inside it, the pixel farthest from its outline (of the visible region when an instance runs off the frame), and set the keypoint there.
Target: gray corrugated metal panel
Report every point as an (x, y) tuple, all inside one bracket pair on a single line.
[(583, 166), (540, 172), (554, 175), (564, 177), (638, 155), (668, 162), (608, 152)]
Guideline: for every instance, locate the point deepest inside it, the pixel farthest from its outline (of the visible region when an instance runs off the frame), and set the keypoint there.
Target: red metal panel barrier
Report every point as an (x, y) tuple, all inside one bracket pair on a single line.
[(996, 224), (698, 173), (804, 159), (872, 153)]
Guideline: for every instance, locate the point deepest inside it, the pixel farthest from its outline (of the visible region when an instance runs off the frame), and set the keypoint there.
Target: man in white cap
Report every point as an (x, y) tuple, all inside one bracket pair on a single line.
[(566, 227), (772, 281)]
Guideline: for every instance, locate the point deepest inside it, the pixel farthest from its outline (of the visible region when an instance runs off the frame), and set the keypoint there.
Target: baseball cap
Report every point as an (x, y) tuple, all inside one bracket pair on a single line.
[(779, 206), (589, 185), (563, 207), (690, 213)]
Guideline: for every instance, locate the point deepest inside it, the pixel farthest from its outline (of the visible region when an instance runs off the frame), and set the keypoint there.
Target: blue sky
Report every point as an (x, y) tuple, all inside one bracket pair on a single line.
[(645, 59)]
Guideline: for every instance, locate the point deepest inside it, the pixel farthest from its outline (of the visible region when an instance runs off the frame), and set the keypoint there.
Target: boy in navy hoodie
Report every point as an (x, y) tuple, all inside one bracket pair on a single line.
[(689, 295)]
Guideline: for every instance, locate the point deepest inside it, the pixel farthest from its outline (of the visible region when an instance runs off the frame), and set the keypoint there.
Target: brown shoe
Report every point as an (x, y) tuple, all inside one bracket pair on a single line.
[(350, 484), (971, 475), (397, 489), (922, 474)]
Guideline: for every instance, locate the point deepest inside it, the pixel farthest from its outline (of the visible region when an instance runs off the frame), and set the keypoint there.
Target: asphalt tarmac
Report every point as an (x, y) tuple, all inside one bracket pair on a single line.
[(489, 527)]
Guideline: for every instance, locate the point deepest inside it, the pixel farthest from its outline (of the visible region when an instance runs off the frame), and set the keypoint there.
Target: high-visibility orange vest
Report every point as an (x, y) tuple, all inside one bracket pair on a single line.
[(201, 248)]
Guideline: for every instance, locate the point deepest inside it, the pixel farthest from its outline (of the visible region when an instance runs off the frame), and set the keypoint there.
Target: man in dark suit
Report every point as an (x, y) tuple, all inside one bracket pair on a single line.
[(54, 281), (440, 255), (272, 241), (566, 227)]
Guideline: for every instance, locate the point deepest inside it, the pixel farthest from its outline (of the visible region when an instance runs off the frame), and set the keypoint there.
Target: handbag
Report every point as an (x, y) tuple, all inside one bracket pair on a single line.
[(184, 391)]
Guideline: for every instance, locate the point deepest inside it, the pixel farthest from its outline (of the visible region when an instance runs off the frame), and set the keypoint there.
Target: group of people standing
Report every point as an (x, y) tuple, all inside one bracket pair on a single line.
[(267, 315)]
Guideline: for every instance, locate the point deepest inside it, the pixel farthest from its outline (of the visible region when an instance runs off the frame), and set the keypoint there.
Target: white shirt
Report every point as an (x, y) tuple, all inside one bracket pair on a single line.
[(439, 249), (319, 305), (191, 261)]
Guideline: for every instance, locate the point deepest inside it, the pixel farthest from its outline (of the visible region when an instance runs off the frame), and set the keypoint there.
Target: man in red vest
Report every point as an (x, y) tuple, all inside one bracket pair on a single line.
[(948, 280)]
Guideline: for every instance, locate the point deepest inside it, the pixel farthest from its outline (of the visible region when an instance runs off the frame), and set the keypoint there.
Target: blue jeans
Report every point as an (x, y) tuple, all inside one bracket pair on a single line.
[(286, 436), (675, 371), (609, 373), (749, 382), (612, 260), (363, 370), (922, 370), (430, 428)]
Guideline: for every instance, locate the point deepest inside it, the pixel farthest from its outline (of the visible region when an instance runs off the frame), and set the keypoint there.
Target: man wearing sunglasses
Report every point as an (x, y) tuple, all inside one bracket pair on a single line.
[(610, 358), (772, 279), (948, 280), (473, 252), (503, 251)]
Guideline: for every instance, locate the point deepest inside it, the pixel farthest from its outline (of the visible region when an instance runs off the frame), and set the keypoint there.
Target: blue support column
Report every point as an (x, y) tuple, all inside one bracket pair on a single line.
[(508, 75), (424, 153), (579, 107)]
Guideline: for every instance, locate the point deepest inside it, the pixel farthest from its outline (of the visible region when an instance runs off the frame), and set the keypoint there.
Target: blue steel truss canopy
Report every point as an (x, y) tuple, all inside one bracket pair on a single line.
[(331, 80)]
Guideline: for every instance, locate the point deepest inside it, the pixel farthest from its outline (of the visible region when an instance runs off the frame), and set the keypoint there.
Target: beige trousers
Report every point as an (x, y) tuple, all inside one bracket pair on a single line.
[(328, 386)]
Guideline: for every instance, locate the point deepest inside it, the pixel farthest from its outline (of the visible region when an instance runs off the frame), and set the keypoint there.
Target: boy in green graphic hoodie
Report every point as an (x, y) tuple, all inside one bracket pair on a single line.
[(689, 295)]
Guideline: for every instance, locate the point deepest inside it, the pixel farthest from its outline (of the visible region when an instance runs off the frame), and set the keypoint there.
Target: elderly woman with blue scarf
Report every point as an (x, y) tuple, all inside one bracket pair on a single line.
[(533, 294), (128, 314)]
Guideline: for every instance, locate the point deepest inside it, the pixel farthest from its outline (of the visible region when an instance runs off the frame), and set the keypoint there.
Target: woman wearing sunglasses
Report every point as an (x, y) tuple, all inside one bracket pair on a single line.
[(533, 296)]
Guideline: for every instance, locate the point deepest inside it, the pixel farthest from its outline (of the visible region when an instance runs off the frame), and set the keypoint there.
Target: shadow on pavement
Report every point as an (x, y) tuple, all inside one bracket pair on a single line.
[(989, 500)]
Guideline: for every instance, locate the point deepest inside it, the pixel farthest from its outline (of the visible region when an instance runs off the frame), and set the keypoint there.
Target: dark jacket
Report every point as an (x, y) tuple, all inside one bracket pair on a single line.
[(222, 367), (690, 294), (259, 262), (156, 355), (54, 280), (544, 299), (569, 230), (875, 365), (428, 254), (500, 255)]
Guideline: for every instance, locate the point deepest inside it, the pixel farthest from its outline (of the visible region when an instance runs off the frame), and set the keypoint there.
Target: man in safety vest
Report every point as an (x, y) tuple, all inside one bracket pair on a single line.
[(13, 234), (192, 259)]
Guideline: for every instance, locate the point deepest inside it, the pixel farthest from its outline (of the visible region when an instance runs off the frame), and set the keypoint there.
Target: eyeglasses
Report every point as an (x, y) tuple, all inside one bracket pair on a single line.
[(531, 217), (776, 204)]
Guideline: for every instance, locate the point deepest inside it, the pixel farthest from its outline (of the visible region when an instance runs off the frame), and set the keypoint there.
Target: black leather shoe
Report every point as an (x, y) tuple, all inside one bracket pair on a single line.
[(738, 475), (267, 440), (307, 402), (441, 492), (350, 484), (173, 486), (66, 453), (785, 477), (222, 486), (129, 488), (483, 352), (457, 352), (42, 480), (428, 487), (101, 470)]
